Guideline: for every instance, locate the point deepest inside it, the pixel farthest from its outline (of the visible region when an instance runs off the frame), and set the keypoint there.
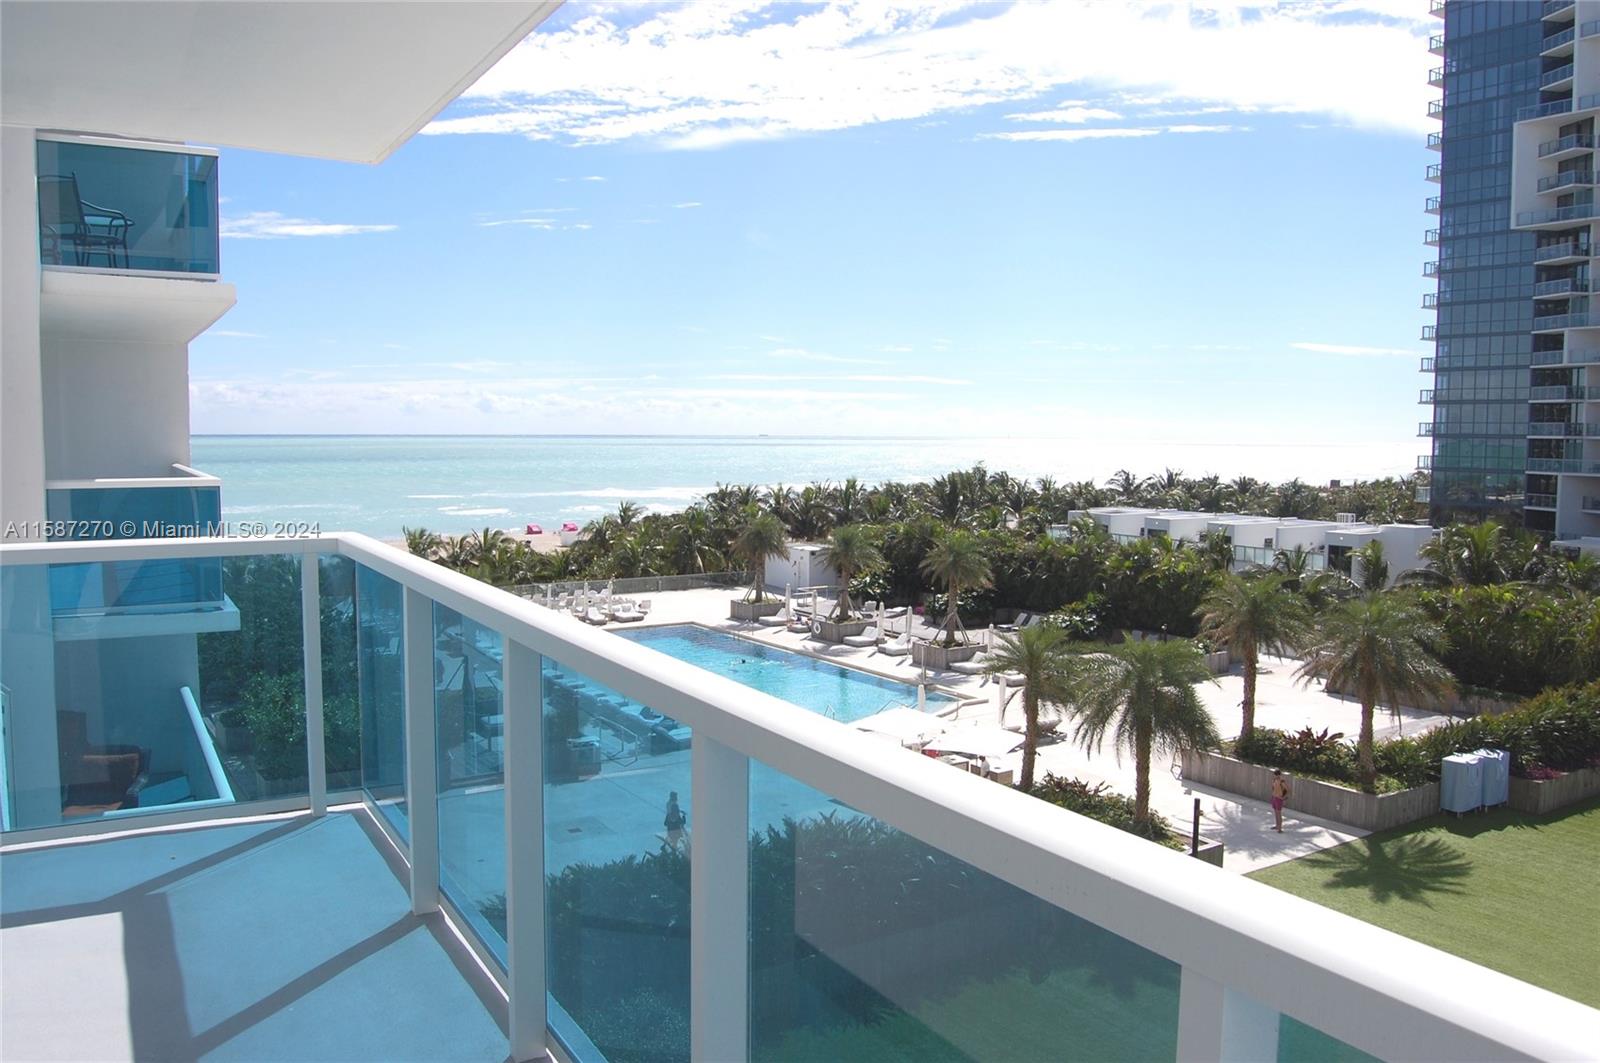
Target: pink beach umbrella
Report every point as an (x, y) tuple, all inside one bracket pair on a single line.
[(534, 529)]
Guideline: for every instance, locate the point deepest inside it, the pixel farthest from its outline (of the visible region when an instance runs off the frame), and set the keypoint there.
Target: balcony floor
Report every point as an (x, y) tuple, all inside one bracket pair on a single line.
[(286, 938)]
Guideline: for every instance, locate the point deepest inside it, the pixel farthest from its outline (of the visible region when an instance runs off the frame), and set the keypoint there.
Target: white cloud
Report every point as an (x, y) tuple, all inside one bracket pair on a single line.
[(690, 205), (1356, 351), (540, 224), (851, 378), (1074, 114), (271, 225), (705, 75), (234, 334), (1112, 133)]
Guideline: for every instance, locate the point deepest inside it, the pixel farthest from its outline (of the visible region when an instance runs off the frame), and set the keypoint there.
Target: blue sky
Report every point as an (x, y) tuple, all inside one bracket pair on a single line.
[(1164, 230)]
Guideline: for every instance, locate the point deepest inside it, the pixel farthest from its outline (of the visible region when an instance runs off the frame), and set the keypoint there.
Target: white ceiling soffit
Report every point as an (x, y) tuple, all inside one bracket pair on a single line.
[(334, 79)]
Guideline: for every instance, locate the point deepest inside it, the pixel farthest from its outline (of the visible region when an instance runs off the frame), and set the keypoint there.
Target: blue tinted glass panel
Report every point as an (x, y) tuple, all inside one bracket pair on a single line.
[(341, 711), (134, 513), (110, 714), (867, 943), (127, 208), (380, 664), (1299, 1043), (618, 871), (472, 823)]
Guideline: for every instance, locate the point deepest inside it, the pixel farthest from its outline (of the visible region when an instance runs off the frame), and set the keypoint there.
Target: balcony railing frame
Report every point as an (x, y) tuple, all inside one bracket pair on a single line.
[(1247, 952)]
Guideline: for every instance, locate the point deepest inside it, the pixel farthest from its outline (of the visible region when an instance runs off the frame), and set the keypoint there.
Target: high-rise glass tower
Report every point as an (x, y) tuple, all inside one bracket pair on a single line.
[(1517, 353)]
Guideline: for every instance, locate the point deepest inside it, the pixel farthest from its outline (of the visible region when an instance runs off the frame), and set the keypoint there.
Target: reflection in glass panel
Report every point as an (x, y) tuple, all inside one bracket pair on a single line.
[(109, 712), (1299, 1043), (108, 207), (341, 715), (617, 830), (867, 943), (381, 666), (472, 826)]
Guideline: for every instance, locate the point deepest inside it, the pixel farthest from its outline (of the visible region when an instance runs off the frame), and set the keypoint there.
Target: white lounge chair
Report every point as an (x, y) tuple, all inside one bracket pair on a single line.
[(596, 615), (644, 607), (897, 647), (626, 613), (868, 637), (979, 665), (778, 619)]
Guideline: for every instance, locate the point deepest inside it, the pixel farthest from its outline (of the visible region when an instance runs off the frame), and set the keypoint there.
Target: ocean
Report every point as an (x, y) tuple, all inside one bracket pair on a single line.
[(380, 484)]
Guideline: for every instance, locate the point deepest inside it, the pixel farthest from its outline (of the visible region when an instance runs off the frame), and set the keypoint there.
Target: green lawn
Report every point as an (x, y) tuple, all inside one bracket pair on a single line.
[(1514, 892)]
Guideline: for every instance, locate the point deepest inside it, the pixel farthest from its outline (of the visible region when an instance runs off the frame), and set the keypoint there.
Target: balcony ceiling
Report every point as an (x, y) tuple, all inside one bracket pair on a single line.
[(335, 80)]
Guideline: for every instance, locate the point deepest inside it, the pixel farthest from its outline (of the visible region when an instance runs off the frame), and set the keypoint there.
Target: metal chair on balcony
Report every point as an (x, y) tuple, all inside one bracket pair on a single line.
[(66, 220)]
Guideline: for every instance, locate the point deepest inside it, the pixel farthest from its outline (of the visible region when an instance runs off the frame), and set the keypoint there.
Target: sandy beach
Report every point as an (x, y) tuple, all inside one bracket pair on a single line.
[(545, 542)]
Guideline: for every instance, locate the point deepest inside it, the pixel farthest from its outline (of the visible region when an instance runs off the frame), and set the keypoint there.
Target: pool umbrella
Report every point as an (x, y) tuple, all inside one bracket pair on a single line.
[(788, 603), (922, 697), (1000, 696)]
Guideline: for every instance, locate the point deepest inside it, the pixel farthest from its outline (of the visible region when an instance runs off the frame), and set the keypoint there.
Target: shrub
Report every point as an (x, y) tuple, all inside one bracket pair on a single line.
[(1559, 729), (1403, 759), (1081, 620), (1098, 801), (1304, 752)]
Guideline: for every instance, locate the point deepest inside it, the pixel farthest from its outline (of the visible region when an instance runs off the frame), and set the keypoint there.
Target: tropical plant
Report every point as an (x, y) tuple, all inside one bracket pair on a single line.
[(762, 536), (957, 561), (1043, 657), (1376, 648), (422, 542), (1142, 696), (1248, 614), (851, 551), (1475, 555), (1369, 570)]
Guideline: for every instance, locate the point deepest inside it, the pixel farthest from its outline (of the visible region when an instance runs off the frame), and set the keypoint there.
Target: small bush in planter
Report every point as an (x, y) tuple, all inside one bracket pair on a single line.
[(1098, 801)]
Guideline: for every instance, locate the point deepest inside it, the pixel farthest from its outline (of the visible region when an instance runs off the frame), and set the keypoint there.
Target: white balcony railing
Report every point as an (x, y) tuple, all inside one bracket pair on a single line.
[(1244, 952)]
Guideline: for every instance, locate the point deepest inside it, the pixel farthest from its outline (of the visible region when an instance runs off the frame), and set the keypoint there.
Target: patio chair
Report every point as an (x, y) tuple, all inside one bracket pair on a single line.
[(67, 220), (778, 619), (869, 637), (897, 647)]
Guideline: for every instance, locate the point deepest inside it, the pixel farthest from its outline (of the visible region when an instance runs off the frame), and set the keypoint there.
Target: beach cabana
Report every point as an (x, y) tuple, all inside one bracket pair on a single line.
[(909, 727)]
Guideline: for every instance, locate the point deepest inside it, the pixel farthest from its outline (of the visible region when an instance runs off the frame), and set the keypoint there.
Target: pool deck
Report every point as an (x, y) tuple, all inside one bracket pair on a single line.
[(278, 938), (1243, 825)]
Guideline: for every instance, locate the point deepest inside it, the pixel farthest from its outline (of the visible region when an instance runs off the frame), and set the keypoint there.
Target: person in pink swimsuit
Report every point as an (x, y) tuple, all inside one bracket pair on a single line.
[(1280, 793)]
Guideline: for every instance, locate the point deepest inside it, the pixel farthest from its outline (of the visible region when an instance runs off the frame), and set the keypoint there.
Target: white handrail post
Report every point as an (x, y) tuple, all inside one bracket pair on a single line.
[(522, 761), (422, 781), (1217, 1024), (311, 645), (719, 902)]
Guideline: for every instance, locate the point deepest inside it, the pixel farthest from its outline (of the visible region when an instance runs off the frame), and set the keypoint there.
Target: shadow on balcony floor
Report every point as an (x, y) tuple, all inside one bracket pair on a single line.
[(273, 940)]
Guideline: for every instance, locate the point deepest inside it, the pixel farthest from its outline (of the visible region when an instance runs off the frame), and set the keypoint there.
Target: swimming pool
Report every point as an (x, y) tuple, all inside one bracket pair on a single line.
[(823, 687)]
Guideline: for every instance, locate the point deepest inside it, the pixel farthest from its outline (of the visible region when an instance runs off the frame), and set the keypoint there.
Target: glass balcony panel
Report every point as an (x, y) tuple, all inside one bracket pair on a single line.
[(1299, 1043), (617, 875), (341, 704), (468, 718), (867, 943), (79, 513), (381, 670), (127, 208), (115, 720)]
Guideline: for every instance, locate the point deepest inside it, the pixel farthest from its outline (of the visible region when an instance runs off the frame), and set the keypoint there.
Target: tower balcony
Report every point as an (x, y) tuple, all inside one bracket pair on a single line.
[(416, 837), (1566, 179), (1554, 217), (1561, 286), (1557, 79), (1555, 45), (1566, 147), (1566, 251)]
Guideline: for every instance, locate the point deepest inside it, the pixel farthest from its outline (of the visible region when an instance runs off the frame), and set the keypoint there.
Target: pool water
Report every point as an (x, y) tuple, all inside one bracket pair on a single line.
[(842, 694)]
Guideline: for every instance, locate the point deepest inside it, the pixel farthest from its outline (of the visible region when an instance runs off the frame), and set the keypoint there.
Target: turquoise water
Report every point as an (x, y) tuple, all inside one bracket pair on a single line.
[(838, 693), (380, 484)]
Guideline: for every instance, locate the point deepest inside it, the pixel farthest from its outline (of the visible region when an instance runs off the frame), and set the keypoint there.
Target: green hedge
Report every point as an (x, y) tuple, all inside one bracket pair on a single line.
[(1559, 730)]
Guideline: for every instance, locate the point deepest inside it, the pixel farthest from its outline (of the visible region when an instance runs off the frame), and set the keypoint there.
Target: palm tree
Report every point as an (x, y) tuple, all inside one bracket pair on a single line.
[(1042, 656), (1126, 486), (1474, 554), (1369, 561), (1142, 694), (1376, 647), (957, 561), (851, 552), (422, 542), (628, 513), (1248, 615), (762, 536)]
